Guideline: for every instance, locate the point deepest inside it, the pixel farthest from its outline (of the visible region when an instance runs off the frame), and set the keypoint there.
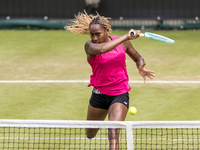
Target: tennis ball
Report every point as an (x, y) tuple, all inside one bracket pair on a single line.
[(132, 110)]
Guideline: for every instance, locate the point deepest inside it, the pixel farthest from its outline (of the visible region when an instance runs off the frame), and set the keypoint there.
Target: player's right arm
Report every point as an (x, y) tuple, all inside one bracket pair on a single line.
[(100, 48)]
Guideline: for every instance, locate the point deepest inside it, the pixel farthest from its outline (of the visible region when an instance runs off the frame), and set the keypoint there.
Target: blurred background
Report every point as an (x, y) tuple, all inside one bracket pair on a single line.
[(140, 14)]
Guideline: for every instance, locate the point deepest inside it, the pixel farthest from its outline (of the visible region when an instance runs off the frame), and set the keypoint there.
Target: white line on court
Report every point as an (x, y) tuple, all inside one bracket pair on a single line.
[(86, 81)]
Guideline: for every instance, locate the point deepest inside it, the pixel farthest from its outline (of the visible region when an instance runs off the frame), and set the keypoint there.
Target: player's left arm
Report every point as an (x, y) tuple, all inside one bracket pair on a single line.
[(137, 58)]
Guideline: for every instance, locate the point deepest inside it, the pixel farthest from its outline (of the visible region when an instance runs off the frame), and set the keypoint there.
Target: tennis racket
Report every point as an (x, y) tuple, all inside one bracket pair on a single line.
[(155, 37)]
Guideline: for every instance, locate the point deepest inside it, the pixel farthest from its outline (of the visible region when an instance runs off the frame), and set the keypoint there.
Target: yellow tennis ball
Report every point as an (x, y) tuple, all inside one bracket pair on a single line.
[(132, 110)]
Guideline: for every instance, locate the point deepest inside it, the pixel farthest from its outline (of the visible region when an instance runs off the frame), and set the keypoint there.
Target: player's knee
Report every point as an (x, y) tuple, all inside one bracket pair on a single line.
[(90, 134)]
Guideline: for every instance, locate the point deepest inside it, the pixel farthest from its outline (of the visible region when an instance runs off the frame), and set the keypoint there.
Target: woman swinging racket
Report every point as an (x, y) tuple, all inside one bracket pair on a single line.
[(106, 56)]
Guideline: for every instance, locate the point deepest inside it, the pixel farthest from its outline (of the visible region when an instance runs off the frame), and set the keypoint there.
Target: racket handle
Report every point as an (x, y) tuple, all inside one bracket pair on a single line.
[(134, 34), (142, 34)]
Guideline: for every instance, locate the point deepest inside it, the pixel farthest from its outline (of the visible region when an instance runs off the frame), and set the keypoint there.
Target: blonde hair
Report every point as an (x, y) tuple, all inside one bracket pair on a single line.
[(82, 22)]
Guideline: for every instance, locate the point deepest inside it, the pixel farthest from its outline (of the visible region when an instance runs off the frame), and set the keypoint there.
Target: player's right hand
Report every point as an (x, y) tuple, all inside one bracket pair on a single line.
[(133, 34)]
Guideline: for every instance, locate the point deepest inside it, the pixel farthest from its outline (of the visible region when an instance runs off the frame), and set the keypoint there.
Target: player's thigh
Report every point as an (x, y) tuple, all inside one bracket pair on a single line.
[(96, 113), (117, 112)]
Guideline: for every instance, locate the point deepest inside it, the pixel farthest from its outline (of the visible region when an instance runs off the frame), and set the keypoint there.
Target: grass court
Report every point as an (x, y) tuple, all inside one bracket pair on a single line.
[(59, 55)]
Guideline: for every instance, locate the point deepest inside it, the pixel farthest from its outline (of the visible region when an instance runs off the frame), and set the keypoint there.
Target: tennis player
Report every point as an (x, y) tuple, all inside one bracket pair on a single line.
[(106, 56)]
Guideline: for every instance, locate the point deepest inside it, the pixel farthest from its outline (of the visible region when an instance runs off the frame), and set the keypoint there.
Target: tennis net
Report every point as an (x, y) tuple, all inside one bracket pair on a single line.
[(70, 135)]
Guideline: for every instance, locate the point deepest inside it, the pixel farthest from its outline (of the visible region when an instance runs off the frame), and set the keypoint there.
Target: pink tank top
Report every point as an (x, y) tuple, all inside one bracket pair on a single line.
[(110, 75)]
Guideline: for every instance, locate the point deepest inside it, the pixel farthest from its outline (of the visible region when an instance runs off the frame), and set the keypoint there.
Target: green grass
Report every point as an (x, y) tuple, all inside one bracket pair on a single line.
[(44, 101), (165, 102), (59, 55), (69, 101)]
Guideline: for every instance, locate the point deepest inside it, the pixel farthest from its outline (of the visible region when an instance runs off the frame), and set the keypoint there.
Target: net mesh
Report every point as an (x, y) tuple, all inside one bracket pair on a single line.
[(167, 138), (70, 135), (55, 138)]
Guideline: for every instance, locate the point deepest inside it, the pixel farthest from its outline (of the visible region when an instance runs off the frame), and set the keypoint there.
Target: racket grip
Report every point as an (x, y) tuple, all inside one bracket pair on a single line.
[(142, 35), (133, 34)]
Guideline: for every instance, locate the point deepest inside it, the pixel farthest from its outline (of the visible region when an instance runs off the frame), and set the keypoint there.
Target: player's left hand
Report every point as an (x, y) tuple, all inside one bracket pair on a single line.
[(146, 73)]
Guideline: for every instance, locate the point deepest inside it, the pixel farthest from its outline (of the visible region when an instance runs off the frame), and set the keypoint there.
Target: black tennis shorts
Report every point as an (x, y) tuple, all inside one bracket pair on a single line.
[(100, 100)]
